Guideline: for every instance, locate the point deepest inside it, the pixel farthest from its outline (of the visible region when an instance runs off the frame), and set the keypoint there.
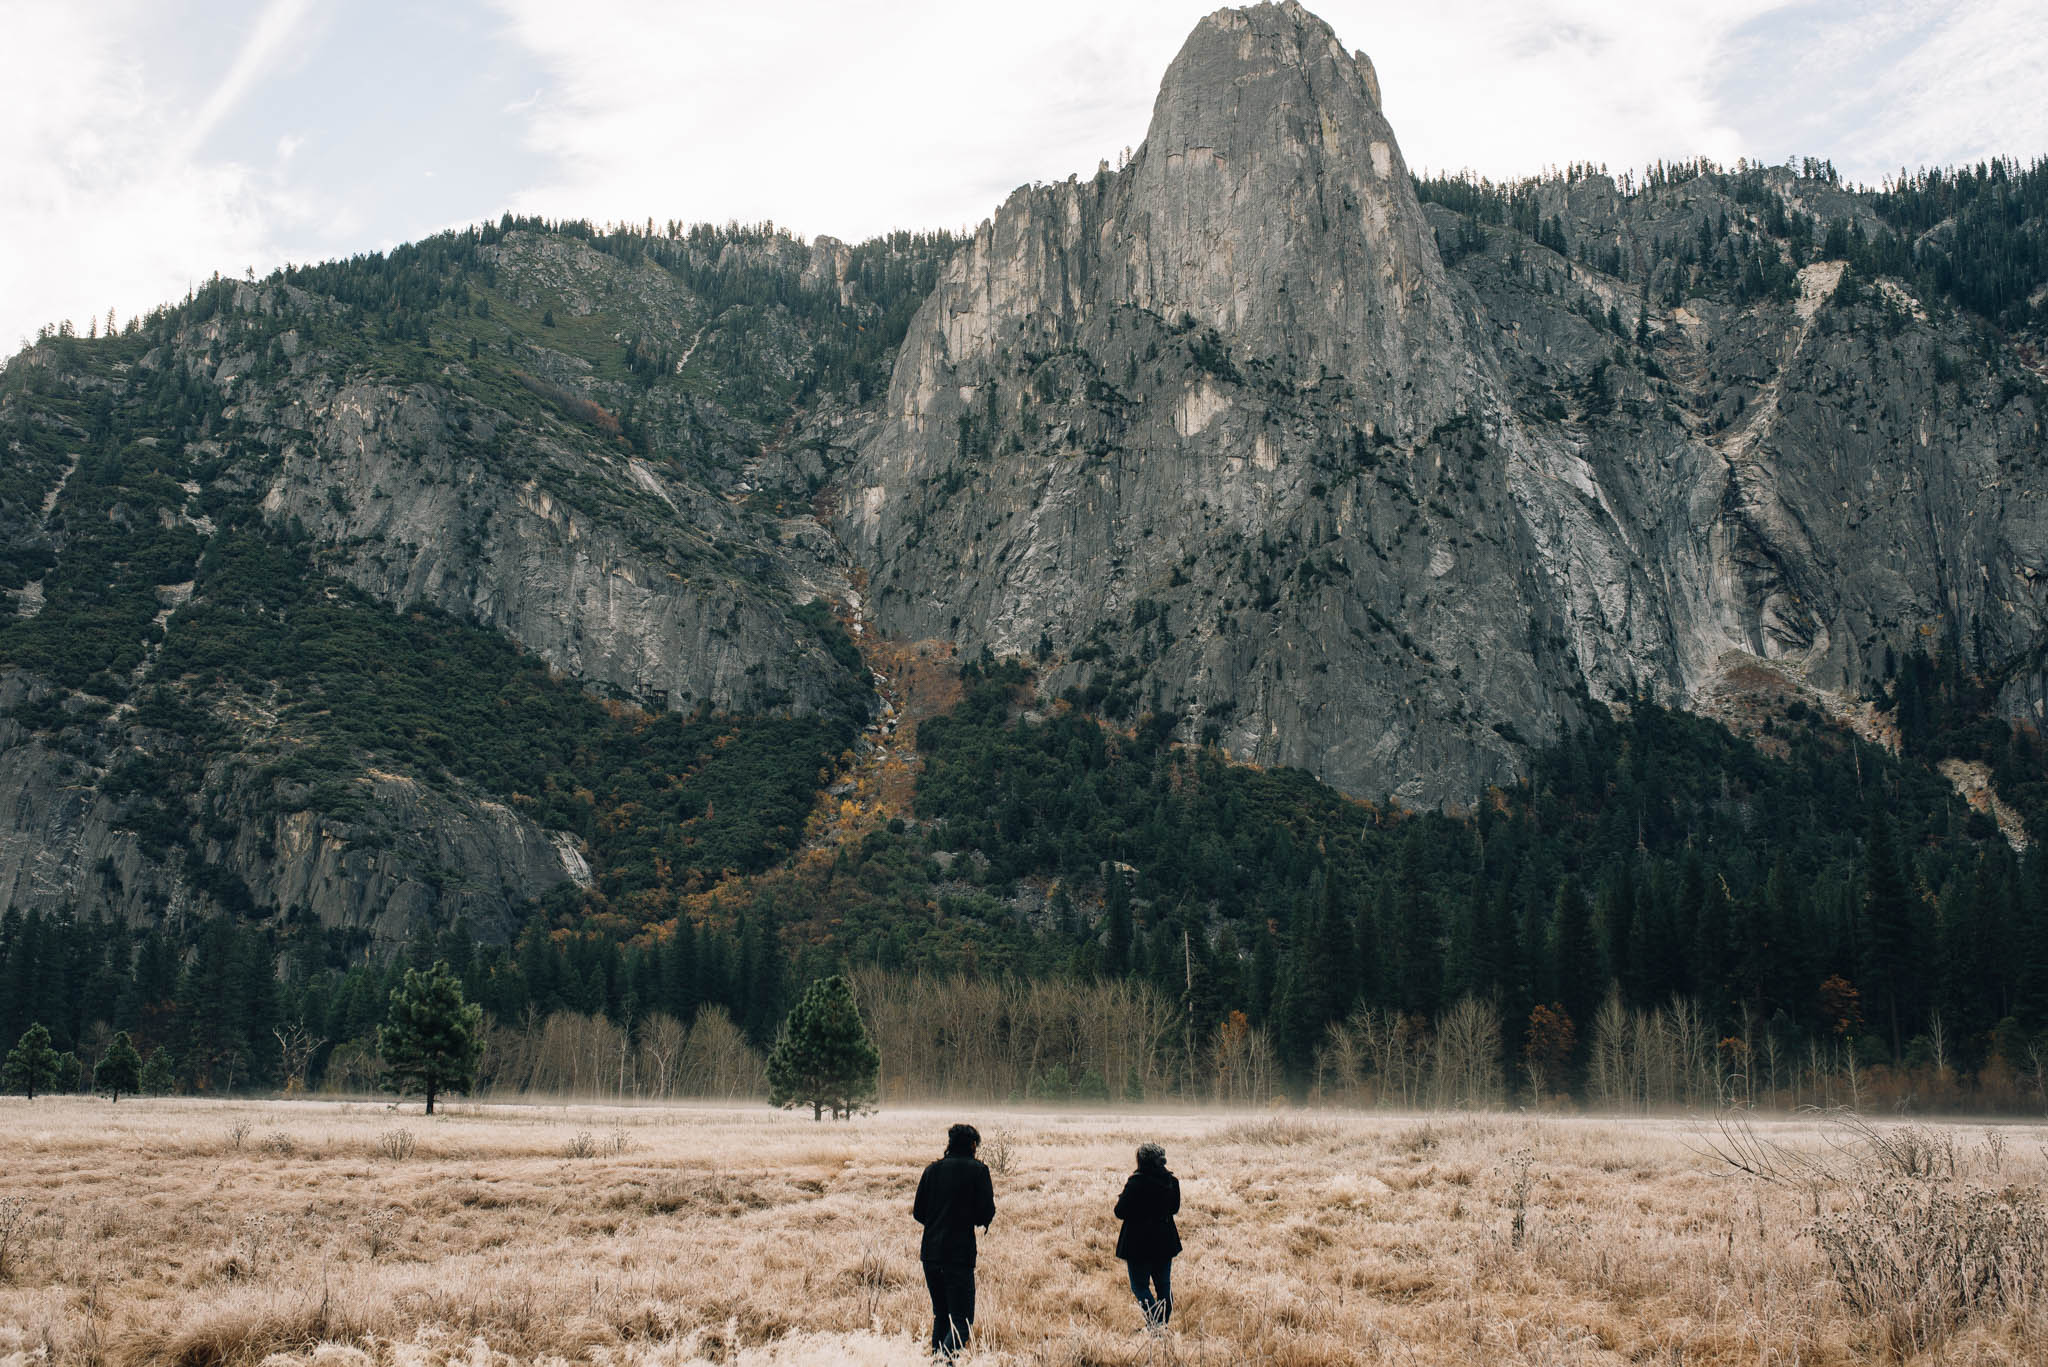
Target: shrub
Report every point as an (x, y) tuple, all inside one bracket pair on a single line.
[(397, 1144), (1917, 1257)]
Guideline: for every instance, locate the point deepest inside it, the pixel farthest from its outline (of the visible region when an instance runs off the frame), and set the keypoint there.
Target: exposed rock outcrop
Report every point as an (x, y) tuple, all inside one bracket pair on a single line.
[(1219, 436)]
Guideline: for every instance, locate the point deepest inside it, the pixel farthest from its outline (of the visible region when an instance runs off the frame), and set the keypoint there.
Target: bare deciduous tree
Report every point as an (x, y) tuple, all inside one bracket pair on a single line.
[(296, 1046)]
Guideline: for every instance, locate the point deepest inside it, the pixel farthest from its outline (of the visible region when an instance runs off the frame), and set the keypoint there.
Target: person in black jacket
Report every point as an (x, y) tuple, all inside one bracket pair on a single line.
[(1150, 1241), (953, 1196)]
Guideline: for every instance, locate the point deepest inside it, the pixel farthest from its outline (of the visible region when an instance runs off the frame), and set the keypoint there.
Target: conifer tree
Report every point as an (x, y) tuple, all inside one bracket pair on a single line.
[(32, 1065), (1891, 939), (824, 1058), (1711, 933), (159, 1076), (431, 1038), (121, 1070), (1574, 953), (1418, 956), (1116, 916)]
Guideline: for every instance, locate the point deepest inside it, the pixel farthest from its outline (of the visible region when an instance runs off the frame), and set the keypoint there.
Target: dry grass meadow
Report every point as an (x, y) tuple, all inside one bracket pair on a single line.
[(347, 1235)]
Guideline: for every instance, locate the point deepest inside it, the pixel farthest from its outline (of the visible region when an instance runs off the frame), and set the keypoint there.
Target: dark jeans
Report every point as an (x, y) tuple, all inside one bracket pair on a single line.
[(952, 1289), (1152, 1284)]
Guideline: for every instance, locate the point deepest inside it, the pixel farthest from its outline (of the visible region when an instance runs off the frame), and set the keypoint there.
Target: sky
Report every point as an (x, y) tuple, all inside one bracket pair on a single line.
[(147, 144)]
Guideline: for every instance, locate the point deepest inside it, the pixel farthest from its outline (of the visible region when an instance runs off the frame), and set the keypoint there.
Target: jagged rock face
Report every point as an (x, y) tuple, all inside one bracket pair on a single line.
[(413, 858), (594, 560), (1271, 203), (1188, 416), (1219, 436), (643, 579), (606, 456), (1799, 486), (1242, 436)]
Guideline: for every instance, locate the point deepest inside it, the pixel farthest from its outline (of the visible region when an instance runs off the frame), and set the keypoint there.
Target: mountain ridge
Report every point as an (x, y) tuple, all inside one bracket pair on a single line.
[(1614, 440), (1589, 558)]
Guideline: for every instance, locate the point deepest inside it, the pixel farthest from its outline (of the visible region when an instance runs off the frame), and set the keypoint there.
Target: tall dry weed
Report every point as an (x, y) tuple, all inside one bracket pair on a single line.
[(397, 1144), (242, 1333), (14, 1225), (1915, 1246), (1274, 1131), (1920, 1257), (1519, 1182), (999, 1151)]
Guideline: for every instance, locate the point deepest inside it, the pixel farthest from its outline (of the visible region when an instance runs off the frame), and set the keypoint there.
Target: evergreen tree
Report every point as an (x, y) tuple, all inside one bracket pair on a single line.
[(680, 973), (1263, 974), (1509, 970), (1370, 947), (159, 1073), (121, 1070), (1574, 954), (432, 1038), (1768, 965), (1892, 950), (824, 1058), (762, 974), (1116, 917), (1333, 970), (1971, 962), (1418, 951), (1465, 973), (32, 1065), (1297, 1014), (1615, 918), (1713, 930), (2030, 973)]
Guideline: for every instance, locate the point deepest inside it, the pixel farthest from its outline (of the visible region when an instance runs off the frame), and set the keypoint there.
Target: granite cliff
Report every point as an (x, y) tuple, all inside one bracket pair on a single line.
[(349, 595), (1218, 435)]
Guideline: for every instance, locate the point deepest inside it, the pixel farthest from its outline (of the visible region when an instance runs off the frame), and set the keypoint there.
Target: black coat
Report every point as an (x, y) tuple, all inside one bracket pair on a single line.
[(953, 1196), (1151, 1199)]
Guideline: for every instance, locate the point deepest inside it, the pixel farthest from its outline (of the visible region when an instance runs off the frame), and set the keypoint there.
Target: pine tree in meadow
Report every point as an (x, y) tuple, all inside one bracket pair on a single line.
[(824, 1058), (121, 1070), (432, 1037), (32, 1065), (159, 1075)]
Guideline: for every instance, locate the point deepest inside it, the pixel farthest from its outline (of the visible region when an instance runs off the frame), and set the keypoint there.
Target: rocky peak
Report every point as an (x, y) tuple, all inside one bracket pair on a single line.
[(1136, 405), (1270, 202), (1222, 438)]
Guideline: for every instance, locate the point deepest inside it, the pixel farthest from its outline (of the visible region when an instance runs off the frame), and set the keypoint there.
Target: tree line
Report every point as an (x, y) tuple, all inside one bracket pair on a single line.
[(1976, 236), (1806, 908)]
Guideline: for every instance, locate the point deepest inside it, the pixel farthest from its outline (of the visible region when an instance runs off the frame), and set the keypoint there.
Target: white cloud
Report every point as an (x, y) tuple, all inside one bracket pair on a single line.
[(1908, 83), (268, 40), (849, 119), (103, 201), (855, 119), (1968, 90), (1508, 89)]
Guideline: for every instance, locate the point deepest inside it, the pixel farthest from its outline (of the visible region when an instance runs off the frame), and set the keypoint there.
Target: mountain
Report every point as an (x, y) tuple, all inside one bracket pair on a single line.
[(545, 574), (1218, 436), (580, 463)]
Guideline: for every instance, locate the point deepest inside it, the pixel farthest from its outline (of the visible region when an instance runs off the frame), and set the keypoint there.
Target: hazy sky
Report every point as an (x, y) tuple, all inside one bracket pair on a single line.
[(145, 144)]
